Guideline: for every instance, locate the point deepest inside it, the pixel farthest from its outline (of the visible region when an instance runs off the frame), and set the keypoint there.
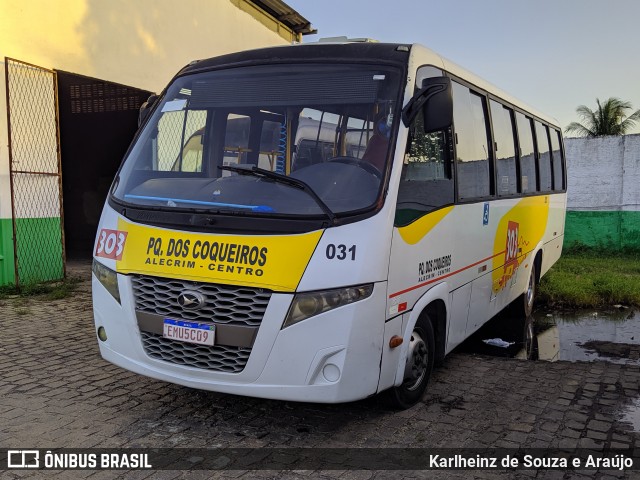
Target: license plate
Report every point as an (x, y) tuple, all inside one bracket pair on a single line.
[(189, 332)]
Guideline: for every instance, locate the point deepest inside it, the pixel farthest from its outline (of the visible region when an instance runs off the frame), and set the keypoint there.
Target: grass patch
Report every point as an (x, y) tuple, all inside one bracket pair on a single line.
[(587, 278), (7, 291), (47, 290)]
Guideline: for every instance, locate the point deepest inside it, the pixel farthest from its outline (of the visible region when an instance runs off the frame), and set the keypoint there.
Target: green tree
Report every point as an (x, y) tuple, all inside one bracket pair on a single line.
[(607, 119)]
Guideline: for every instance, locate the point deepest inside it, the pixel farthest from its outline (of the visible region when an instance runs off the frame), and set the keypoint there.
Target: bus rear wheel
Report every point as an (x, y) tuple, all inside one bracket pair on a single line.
[(418, 367), (529, 295), (530, 340)]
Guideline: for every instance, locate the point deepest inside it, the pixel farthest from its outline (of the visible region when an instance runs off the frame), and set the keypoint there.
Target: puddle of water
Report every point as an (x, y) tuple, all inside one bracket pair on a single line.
[(612, 336), (631, 415)]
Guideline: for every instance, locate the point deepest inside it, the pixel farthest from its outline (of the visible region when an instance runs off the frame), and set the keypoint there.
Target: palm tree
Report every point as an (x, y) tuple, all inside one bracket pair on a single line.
[(608, 119)]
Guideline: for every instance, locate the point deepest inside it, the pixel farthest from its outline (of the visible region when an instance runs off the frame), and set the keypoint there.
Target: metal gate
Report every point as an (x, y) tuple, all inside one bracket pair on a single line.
[(35, 172)]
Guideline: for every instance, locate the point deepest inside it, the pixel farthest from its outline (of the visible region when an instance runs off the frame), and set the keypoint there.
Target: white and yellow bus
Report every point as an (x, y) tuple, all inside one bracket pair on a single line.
[(323, 222)]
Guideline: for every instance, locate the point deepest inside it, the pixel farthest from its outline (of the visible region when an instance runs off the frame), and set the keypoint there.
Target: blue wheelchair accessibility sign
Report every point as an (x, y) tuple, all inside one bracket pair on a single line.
[(485, 216)]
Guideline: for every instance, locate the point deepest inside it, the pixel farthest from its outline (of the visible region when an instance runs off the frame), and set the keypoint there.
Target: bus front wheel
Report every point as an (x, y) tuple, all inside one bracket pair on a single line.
[(418, 366)]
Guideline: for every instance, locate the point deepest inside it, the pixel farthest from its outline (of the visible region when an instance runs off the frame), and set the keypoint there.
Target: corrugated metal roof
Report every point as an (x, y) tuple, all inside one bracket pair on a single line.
[(287, 15)]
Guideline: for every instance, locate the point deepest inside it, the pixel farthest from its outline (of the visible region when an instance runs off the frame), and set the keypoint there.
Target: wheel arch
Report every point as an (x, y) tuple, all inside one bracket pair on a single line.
[(435, 304), (537, 261), (437, 312)]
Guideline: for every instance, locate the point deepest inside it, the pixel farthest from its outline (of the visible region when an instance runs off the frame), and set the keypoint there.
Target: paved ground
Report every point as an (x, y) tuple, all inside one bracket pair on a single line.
[(56, 391)]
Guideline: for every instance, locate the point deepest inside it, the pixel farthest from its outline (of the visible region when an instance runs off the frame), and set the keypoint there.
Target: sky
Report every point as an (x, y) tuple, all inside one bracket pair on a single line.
[(552, 54)]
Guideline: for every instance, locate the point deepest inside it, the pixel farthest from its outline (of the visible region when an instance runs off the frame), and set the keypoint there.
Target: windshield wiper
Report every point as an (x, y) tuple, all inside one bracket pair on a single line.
[(253, 170)]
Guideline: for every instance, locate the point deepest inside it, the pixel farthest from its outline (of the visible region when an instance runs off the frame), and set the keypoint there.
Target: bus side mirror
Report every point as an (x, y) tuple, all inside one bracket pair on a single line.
[(438, 107), (145, 109), (436, 102)]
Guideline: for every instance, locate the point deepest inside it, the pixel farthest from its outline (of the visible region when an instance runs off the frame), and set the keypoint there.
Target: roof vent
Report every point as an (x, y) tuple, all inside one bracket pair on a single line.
[(344, 39)]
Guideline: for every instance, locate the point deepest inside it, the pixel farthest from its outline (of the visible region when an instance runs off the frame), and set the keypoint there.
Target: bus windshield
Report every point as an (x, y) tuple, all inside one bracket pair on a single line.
[(327, 127)]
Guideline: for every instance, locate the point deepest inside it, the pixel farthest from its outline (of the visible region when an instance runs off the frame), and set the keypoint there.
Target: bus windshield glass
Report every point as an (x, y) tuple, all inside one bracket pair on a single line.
[(326, 127)]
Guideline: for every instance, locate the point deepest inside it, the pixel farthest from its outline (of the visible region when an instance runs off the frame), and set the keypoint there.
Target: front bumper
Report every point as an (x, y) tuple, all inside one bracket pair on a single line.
[(330, 358)]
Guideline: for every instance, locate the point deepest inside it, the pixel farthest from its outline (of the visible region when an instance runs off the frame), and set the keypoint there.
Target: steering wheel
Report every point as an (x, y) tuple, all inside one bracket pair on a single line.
[(363, 164)]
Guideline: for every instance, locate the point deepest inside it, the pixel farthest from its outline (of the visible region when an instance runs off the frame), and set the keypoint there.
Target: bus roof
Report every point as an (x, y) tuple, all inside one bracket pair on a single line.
[(425, 56), (397, 53), (310, 52)]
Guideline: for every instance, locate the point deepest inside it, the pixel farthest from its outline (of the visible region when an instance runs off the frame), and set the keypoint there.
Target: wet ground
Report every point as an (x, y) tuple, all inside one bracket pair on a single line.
[(56, 391), (610, 335)]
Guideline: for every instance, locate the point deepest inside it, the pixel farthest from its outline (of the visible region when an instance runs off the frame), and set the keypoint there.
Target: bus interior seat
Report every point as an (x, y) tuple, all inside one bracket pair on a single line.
[(307, 156)]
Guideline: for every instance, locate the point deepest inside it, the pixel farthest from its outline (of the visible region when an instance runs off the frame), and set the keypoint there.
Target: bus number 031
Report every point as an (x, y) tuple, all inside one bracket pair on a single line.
[(340, 252)]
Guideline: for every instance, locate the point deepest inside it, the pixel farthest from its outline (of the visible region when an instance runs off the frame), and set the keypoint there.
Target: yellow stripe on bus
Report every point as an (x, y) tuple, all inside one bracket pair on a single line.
[(416, 231), (263, 261)]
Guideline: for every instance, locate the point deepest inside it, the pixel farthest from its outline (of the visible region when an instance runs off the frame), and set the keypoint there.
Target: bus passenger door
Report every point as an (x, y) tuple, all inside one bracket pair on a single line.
[(475, 191)]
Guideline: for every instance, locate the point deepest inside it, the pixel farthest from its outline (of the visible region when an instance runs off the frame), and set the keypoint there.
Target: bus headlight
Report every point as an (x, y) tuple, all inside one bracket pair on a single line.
[(108, 278), (306, 305)]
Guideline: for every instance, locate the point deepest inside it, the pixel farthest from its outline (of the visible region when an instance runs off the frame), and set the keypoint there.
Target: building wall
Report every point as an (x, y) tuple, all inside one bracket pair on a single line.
[(141, 44), (603, 195)]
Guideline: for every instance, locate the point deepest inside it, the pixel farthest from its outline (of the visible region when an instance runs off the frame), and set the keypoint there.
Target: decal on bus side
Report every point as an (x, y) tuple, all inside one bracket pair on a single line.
[(519, 231), (434, 267)]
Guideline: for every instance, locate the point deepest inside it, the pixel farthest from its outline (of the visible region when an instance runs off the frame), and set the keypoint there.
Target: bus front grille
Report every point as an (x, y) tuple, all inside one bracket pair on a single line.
[(223, 304), (218, 357)]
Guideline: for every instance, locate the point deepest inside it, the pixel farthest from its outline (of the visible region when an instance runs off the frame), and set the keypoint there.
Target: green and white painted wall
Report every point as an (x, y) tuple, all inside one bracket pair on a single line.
[(603, 196)]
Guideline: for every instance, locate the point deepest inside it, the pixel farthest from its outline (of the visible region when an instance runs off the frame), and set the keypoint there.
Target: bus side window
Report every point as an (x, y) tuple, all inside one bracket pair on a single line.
[(558, 164), (544, 157), (528, 176), (506, 170), (473, 162), (426, 183)]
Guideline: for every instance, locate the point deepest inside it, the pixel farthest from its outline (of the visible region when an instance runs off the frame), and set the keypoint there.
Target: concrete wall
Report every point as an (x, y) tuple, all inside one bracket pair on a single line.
[(603, 196), (141, 44)]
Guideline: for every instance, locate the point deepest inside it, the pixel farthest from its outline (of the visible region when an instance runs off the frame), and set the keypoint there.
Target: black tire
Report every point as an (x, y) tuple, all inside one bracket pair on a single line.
[(423, 348), (529, 296), (530, 339)]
